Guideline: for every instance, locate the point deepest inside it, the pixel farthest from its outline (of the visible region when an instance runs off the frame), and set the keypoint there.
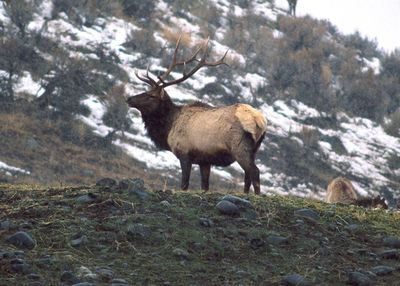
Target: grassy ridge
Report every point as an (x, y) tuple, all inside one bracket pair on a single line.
[(180, 238)]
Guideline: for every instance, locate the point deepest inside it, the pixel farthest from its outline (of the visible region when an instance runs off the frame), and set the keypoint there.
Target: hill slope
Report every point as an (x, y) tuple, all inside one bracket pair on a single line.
[(328, 97), (121, 233)]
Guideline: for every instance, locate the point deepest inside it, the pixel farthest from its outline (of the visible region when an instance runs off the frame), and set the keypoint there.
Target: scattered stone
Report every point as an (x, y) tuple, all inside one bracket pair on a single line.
[(206, 222), (33, 276), (241, 203), (136, 184), (181, 253), (119, 282), (359, 279), (295, 280), (44, 261), (138, 230), (19, 253), (249, 214), (106, 183), (134, 187), (352, 228), (31, 143), (165, 204), (87, 198), (382, 270), (228, 208), (307, 213), (391, 241), (87, 172), (35, 283), (105, 274), (389, 254), (22, 239), (19, 265), (86, 273), (69, 278), (79, 241), (277, 240), (256, 243), (6, 225)]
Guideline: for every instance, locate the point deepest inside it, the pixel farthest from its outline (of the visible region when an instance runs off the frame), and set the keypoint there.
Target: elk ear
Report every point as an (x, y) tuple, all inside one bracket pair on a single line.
[(162, 92)]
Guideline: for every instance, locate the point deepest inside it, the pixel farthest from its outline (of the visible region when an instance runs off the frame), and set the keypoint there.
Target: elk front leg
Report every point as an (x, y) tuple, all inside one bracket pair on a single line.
[(186, 167), (247, 182), (205, 176)]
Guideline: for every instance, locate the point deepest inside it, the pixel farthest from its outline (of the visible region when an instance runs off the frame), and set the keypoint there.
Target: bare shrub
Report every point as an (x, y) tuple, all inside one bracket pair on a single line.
[(309, 136)]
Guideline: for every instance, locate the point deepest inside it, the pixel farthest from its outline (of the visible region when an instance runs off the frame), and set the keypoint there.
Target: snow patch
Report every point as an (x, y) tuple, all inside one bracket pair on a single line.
[(10, 169)]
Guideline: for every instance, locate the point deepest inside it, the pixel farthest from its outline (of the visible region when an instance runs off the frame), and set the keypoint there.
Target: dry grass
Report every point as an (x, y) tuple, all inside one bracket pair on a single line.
[(53, 160)]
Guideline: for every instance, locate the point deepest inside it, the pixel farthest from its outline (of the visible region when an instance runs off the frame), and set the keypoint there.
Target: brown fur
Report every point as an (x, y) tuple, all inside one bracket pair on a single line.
[(341, 190), (204, 135), (198, 133)]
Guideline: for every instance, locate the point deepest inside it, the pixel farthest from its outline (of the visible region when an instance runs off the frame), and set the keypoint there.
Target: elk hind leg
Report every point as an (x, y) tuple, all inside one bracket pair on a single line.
[(246, 157)]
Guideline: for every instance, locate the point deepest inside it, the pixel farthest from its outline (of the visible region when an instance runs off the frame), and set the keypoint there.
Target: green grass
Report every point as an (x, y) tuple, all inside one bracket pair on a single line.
[(176, 249)]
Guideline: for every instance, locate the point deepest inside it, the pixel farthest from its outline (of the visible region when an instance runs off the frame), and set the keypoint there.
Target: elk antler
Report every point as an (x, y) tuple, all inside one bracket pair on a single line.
[(201, 63), (148, 79)]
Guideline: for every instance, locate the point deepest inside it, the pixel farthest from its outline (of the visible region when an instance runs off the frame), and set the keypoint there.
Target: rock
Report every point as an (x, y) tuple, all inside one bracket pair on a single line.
[(138, 230), (352, 228), (19, 253), (81, 240), (33, 276), (19, 265), (87, 173), (256, 243), (84, 284), (119, 282), (31, 143), (22, 239), (44, 262), (69, 278), (206, 222), (35, 283), (307, 213), (389, 254), (165, 204), (249, 214), (87, 198), (181, 253), (105, 274), (228, 208), (391, 241), (86, 274), (295, 280), (241, 203), (134, 187), (6, 225), (382, 270), (6, 254), (359, 279), (131, 185), (106, 183), (141, 195), (277, 240)]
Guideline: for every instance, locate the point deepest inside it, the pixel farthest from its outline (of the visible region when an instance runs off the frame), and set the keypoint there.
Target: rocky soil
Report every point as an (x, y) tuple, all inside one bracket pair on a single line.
[(120, 233)]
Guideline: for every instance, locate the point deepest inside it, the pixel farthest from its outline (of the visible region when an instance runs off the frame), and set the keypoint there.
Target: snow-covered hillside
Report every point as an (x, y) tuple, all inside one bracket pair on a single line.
[(366, 148)]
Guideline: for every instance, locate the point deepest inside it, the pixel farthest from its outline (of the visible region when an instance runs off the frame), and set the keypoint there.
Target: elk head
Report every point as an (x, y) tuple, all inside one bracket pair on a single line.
[(156, 97)]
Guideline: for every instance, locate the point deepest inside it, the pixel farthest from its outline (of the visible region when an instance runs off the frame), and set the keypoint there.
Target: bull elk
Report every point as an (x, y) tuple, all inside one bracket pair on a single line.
[(198, 133)]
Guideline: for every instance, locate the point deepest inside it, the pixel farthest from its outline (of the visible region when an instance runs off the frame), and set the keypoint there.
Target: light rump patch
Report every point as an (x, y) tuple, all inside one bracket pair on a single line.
[(252, 120)]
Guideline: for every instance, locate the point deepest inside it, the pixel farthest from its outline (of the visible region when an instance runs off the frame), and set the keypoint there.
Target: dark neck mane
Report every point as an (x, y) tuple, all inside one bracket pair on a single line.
[(159, 122)]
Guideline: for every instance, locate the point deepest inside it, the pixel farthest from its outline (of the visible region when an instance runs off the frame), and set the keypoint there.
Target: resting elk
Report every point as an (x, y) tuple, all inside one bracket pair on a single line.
[(199, 133)]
